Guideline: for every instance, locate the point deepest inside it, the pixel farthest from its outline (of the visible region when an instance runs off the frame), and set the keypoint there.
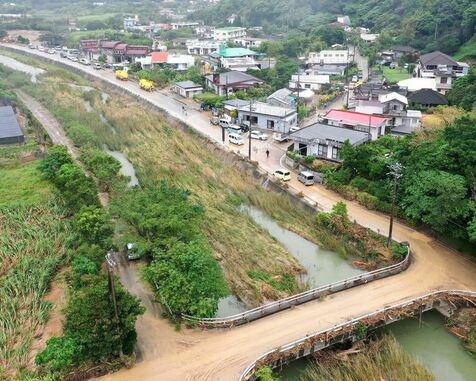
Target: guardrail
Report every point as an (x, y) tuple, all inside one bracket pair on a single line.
[(306, 296), (325, 336)]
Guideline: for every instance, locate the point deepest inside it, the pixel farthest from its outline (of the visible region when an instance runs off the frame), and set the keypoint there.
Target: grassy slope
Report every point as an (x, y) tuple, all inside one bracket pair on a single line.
[(467, 51)]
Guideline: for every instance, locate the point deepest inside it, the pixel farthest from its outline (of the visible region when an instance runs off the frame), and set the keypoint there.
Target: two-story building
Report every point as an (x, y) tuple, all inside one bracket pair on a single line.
[(231, 81), (308, 81), (238, 59), (202, 47), (329, 57), (266, 116), (228, 33)]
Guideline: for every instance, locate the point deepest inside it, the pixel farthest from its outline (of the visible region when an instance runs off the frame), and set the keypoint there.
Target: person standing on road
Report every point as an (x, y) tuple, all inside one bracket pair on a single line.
[(267, 154)]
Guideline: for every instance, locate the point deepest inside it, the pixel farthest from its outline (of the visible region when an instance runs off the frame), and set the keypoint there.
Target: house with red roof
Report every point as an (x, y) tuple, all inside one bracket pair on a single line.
[(372, 124)]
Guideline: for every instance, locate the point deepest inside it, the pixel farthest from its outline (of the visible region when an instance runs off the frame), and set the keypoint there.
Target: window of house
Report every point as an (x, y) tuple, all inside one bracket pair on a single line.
[(443, 80), (322, 150), (335, 153), (395, 107), (307, 86), (270, 124)]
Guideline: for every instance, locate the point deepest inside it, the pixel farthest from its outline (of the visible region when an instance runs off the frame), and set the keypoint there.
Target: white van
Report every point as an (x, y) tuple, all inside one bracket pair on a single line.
[(236, 139), (306, 177), (234, 129), (224, 123)]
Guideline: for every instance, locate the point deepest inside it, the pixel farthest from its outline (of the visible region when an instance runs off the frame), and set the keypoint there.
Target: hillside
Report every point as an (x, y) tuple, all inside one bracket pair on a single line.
[(426, 25)]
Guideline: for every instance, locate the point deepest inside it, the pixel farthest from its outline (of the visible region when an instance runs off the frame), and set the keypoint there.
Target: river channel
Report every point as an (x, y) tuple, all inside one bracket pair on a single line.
[(427, 340), (17, 65), (322, 266), (127, 168)]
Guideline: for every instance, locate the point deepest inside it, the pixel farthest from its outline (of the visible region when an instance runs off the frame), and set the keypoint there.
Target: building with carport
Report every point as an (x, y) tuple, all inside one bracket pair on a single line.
[(10, 131)]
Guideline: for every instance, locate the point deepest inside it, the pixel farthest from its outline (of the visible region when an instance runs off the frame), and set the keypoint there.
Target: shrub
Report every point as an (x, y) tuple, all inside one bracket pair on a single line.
[(369, 201), (60, 354), (81, 135), (56, 158), (94, 226)]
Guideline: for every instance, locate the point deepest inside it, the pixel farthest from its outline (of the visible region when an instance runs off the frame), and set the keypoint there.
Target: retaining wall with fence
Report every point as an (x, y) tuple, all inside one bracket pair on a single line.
[(444, 299), (316, 293)]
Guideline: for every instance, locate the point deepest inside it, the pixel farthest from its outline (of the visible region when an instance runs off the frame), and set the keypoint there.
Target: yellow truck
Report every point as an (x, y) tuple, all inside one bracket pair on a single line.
[(122, 75), (146, 85)]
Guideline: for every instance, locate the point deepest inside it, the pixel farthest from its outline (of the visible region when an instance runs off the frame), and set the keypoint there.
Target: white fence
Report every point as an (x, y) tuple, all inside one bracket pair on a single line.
[(306, 296), (248, 373)]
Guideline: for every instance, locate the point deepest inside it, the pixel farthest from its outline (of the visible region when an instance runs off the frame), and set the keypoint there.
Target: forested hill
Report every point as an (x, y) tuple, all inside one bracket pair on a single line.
[(414, 22)]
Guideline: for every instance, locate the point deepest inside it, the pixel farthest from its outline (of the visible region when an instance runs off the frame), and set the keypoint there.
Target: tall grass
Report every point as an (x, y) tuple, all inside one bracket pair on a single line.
[(381, 359), (31, 249)]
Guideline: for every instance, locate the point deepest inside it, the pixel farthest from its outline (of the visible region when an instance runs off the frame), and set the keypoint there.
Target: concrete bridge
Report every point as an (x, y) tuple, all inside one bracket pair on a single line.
[(224, 354)]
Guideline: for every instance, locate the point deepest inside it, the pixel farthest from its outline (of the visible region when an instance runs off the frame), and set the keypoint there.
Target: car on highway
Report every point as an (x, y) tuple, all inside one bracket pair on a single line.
[(41, 48), (245, 127), (73, 58), (282, 174), (84, 61), (97, 66), (51, 51), (255, 134), (31, 46)]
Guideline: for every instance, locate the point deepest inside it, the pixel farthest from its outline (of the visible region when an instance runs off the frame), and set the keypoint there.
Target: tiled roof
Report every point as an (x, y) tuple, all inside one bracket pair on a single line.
[(320, 131), (437, 58), (354, 118)]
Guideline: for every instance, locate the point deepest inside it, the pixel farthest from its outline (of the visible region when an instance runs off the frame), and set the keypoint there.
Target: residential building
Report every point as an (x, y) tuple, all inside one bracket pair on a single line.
[(10, 131), (369, 107), (130, 23), (202, 47), (442, 68), (187, 89), (344, 20), (399, 51), (183, 25), (325, 141), (179, 62), (282, 98), (412, 123), (369, 37), (308, 81), (329, 69), (329, 57), (228, 33), (115, 51), (427, 98), (374, 125), (266, 116), (248, 42), (231, 81), (238, 59), (415, 84), (231, 105), (204, 31)]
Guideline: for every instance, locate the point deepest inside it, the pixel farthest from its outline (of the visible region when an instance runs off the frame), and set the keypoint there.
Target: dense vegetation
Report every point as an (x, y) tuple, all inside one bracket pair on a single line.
[(439, 179), (426, 25), (463, 93)]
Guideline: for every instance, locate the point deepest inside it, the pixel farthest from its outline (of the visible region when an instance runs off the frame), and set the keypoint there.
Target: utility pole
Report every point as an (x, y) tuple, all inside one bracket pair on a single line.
[(111, 265), (347, 75), (249, 132), (396, 172)]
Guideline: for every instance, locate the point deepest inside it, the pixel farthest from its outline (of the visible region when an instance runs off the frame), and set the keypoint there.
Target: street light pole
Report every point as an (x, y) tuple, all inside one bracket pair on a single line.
[(396, 172)]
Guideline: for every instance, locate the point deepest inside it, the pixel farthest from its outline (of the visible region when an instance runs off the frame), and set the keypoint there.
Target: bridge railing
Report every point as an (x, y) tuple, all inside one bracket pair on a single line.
[(347, 326), (306, 296)]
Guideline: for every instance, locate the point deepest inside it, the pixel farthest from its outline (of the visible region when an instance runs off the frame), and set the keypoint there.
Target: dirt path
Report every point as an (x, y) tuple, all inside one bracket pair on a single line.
[(49, 123), (223, 354)]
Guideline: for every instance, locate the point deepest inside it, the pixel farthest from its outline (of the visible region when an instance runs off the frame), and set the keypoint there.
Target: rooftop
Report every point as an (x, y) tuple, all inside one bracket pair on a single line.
[(237, 103), (188, 85), (267, 109), (320, 131), (229, 29), (354, 118), (414, 84), (232, 77), (9, 126), (159, 57), (394, 97), (428, 97), (437, 58)]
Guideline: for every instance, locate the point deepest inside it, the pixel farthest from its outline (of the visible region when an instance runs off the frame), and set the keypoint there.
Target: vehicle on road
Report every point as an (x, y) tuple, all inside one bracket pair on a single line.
[(41, 48), (84, 61), (355, 78), (73, 58), (234, 129), (245, 127), (236, 139), (215, 120), (224, 123), (31, 46), (132, 251), (282, 174), (63, 54), (296, 128), (306, 177), (258, 135), (97, 66), (146, 85), (122, 75), (107, 66), (279, 137), (51, 51)]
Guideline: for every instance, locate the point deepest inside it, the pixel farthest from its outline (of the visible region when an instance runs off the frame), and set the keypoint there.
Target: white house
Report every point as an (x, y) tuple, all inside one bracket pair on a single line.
[(415, 84), (183, 25), (329, 57), (180, 62), (248, 42), (228, 33), (188, 89), (324, 141), (369, 37), (202, 47), (308, 81), (369, 107), (266, 116)]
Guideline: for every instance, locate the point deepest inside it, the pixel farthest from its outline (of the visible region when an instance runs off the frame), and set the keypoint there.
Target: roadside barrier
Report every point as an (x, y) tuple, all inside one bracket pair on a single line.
[(306, 296)]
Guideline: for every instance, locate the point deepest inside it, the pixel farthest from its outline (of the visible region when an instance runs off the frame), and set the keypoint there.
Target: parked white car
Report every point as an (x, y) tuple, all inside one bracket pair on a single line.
[(236, 139), (84, 61), (258, 135), (294, 129), (282, 174)]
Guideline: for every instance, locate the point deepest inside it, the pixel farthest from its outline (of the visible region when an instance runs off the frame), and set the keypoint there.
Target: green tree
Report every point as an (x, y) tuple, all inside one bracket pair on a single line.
[(463, 92), (94, 226), (104, 166), (190, 268), (56, 158), (436, 198), (60, 354)]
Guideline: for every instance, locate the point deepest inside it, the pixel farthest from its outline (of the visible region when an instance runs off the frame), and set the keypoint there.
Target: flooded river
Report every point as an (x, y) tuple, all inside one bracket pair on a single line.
[(428, 341), (17, 65), (322, 266), (126, 166)]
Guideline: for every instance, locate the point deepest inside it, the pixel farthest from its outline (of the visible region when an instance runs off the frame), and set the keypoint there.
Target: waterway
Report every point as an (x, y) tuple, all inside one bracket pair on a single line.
[(428, 341), (127, 169), (17, 65), (322, 266)]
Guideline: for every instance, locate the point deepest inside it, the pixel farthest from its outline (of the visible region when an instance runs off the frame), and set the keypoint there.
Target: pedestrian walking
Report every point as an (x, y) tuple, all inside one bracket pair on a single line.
[(267, 154)]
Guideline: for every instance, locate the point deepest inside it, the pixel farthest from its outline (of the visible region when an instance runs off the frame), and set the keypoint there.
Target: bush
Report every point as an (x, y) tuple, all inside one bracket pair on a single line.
[(94, 226), (60, 354), (369, 201), (81, 135), (56, 158)]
